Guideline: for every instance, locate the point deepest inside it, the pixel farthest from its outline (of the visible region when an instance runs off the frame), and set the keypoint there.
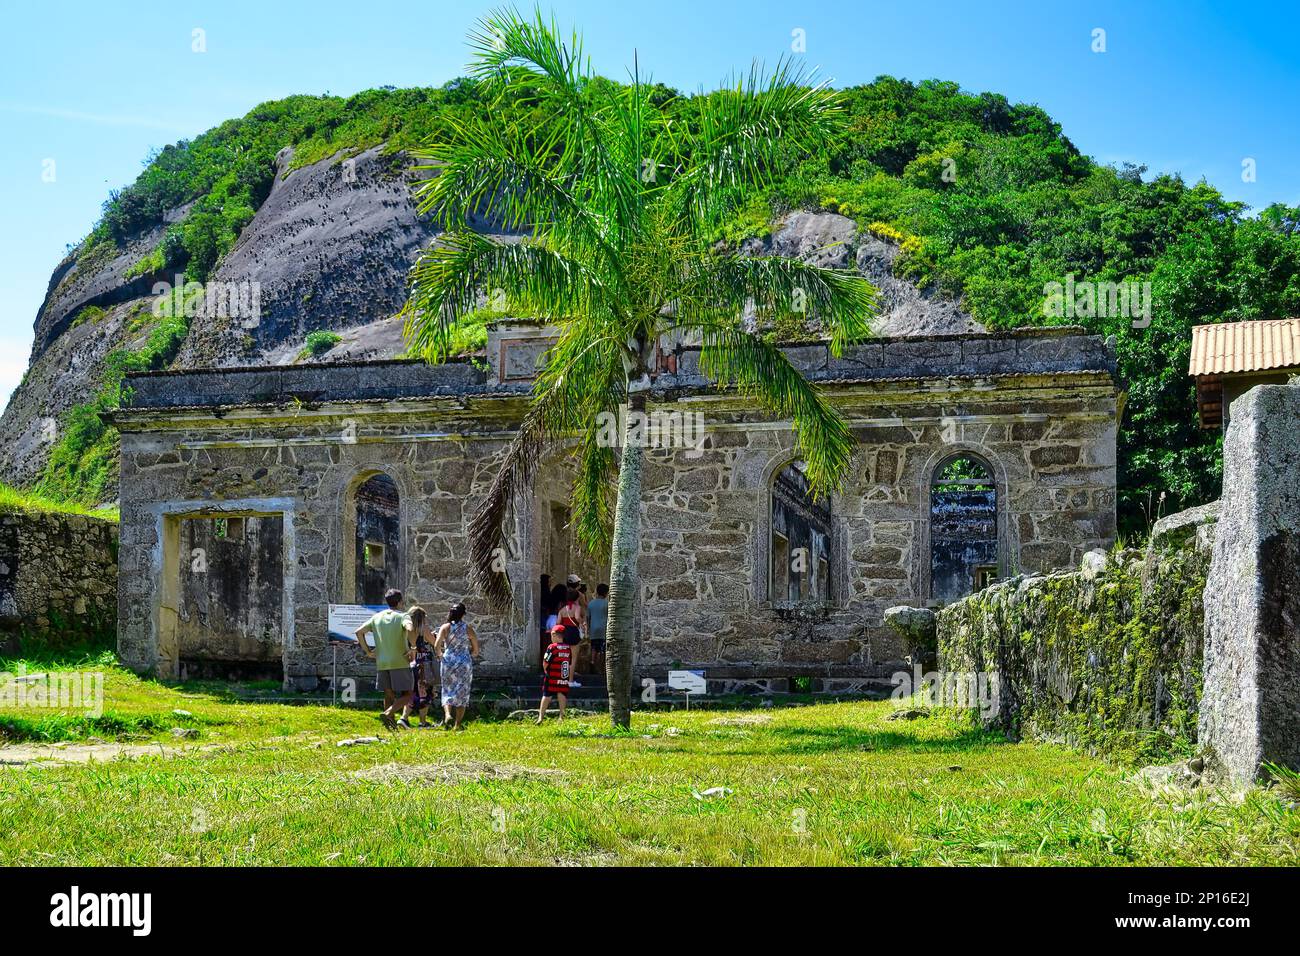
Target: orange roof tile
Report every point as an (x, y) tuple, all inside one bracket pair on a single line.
[(1245, 346)]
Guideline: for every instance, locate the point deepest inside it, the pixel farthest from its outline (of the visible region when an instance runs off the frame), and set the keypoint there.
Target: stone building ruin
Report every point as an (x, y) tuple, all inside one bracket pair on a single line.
[(979, 456)]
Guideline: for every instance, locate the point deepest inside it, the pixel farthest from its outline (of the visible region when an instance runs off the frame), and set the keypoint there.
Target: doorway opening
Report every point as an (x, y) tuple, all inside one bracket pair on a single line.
[(223, 597)]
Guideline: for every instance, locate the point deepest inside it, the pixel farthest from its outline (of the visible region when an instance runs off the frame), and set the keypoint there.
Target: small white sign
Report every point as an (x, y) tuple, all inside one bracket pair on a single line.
[(344, 619), (692, 682)]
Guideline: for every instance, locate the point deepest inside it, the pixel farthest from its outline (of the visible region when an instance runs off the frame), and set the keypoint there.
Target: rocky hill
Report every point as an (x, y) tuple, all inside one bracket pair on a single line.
[(330, 248)]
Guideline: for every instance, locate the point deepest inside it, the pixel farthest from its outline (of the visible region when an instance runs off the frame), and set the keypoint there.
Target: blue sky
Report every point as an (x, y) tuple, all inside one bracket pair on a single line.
[(91, 88)]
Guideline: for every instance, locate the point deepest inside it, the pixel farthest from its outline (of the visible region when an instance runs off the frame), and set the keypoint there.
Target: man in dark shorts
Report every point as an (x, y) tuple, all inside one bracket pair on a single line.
[(392, 656), (597, 619), (557, 664)]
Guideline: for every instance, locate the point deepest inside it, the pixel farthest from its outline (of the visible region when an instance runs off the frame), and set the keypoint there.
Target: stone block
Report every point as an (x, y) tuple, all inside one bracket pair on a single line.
[(1251, 694), (1053, 456)]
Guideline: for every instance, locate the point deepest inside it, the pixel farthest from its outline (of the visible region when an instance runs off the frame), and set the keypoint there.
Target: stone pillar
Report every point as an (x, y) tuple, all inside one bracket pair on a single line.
[(1250, 703), (139, 574)]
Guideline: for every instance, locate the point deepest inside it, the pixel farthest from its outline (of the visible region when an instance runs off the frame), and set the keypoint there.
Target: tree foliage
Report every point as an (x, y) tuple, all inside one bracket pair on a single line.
[(989, 199)]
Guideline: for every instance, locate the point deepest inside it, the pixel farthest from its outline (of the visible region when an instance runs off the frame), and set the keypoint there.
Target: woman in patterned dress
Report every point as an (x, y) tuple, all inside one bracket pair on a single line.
[(423, 668), (457, 644)]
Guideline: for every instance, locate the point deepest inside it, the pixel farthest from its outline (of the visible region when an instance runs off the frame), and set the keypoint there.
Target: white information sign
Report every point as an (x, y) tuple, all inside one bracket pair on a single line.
[(344, 619), (692, 682)]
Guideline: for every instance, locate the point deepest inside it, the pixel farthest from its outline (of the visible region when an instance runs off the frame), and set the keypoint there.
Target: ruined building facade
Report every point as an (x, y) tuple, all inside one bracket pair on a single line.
[(251, 499)]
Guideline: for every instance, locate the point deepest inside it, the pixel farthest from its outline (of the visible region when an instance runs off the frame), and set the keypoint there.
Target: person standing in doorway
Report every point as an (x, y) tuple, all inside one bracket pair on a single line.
[(576, 583), (572, 617), (597, 621), (457, 643), (553, 605), (557, 665), (392, 656)]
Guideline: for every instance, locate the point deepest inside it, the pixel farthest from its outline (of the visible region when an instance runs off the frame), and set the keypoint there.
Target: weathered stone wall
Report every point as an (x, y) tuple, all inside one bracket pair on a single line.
[(58, 576), (1108, 658), (378, 527), (1040, 410), (1251, 712), (304, 469), (705, 557)]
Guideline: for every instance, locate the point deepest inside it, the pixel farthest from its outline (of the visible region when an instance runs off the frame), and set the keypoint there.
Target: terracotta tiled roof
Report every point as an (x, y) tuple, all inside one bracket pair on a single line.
[(1245, 346)]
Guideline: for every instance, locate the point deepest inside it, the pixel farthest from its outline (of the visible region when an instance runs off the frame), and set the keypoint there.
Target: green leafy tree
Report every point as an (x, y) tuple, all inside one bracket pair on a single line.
[(618, 192)]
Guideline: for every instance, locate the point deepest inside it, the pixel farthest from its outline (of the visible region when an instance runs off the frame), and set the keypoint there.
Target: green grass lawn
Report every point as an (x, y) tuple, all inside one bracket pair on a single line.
[(835, 783)]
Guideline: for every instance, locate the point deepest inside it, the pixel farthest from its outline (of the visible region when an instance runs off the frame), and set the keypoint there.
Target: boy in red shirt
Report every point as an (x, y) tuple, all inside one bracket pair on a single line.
[(557, 664)]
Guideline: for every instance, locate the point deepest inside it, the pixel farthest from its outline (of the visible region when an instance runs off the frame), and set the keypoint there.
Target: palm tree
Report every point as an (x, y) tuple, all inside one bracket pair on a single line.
[(616, 195)]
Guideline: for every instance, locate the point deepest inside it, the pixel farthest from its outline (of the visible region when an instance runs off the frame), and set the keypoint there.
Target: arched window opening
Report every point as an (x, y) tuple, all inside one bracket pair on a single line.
[(801, 540), (378, 539), (963, 528)]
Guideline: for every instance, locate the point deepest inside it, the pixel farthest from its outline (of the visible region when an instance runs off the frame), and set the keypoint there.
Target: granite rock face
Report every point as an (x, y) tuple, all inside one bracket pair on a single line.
[(905, 309), (833, 241), (330, 248), (1251, 708)]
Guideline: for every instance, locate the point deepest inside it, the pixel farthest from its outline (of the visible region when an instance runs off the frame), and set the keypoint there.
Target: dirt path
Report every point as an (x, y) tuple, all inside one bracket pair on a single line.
[(25, 755)]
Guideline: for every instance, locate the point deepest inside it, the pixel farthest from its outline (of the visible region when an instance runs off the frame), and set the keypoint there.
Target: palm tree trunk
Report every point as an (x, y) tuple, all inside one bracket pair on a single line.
[(624, 580)]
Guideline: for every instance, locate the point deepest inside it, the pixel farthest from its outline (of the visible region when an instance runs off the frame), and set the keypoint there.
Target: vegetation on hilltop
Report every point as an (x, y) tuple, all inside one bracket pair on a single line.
[(14, 500), (989, 200), (83, 462)]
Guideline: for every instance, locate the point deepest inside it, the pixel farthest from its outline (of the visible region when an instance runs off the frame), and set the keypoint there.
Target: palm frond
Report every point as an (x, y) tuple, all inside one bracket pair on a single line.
[(498, 175), (513, 479), (528, 53), (592, 500), (449, 279), (506, 42), (719, 288), (579, 379), (746, 132), (761, 369)]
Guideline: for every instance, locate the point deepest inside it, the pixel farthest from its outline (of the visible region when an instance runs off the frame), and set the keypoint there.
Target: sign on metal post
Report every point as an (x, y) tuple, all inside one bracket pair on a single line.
[(689, 682), (344, 619)]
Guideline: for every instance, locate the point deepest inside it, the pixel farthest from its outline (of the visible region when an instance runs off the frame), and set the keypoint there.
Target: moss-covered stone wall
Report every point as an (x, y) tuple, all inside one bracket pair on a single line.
[(1107, 660), (58, 579)]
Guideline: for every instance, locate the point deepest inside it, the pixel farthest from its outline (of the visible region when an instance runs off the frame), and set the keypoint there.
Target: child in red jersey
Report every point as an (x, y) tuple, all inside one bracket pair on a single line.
[(557, 664)]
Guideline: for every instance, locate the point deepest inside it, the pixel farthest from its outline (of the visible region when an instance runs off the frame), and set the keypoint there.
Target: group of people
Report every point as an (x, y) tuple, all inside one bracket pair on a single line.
[(417, 666), (571, 624)]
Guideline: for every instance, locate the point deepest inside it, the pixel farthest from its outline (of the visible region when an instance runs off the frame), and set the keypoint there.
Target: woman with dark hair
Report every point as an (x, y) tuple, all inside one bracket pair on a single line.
[(573, 618), (457, 644), (553, 603)]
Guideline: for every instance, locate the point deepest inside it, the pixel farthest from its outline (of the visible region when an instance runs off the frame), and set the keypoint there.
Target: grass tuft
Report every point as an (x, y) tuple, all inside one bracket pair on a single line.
[(14, 500)]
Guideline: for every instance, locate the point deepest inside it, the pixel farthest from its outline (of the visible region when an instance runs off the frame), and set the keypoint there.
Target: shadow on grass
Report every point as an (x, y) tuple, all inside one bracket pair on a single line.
[(108, 726), (819, 740)]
